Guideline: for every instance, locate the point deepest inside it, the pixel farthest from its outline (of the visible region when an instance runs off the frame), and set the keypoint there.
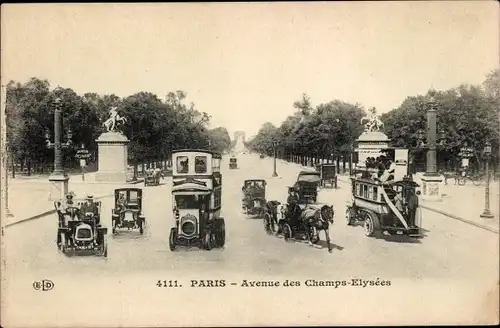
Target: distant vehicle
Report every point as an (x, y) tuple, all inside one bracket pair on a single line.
[(233, 163), (128, 213), (307, 185), (80, 232), (152, 178), (262, 156), (328, 175), (197, 200), (373, 205), (254, 196)]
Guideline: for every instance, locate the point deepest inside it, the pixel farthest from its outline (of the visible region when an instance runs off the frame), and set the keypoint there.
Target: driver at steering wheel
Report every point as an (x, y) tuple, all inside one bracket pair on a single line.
[(90, 207)]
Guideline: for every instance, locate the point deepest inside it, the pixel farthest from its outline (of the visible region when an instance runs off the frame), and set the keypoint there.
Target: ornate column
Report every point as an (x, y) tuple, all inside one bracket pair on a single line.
[(59, 180), (431, 180)]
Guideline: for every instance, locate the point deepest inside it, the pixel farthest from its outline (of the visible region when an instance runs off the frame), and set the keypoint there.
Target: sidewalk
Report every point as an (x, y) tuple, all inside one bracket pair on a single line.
[(29, 198), (463, 203)]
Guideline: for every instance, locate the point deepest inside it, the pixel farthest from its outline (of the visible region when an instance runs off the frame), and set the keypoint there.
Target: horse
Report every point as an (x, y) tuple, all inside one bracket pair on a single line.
[(312, 220), (110, 123), (273, 211)]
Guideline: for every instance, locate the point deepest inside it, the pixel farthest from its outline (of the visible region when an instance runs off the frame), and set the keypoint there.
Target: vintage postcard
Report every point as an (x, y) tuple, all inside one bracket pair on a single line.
[(250, 164)]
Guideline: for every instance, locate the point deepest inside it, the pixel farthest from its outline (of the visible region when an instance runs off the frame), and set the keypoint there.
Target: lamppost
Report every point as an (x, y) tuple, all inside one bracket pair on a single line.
[(274, 149), (486, 213), (431, 180), (5, 151), (58, 179)]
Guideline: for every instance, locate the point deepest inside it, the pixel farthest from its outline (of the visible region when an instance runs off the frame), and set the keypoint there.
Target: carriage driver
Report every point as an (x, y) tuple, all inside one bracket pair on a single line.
[(89, 206), (292, 196), (120, 202)]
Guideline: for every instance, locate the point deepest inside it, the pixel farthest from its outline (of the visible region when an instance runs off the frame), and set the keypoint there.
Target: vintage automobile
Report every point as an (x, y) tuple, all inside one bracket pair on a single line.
[(233, 163), (152, 178), (80, 232), (328, 175), (196, 193), (128, 213), (254, 196), (373, 205), (307, 185)]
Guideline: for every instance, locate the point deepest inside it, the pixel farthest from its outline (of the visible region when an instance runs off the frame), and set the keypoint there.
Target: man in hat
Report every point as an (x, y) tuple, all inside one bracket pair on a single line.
[(90, 207), (292, 196), (67, 202)]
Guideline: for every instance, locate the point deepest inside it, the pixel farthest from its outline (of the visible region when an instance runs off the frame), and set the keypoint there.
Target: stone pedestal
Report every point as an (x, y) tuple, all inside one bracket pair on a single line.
[(370, 144), (112, 165), (58, 186), (431, 187)]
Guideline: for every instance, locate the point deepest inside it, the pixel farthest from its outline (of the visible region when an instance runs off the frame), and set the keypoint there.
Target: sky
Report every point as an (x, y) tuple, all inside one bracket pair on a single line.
[(246, 63)]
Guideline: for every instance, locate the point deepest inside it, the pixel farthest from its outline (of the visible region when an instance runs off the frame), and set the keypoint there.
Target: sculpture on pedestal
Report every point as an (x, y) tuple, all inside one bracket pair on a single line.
[(373, 123), (113, 153), (111, 123)]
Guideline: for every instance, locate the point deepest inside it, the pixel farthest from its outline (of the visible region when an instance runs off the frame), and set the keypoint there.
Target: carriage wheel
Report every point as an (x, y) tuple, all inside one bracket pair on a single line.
[(371, 226), (476, 181), (348, 216), (267, 223), (287, 232), (172, 240), (461, 181), (141, 226), (315, 235), (222, 233), (113, 223), (62, 246), (207, 241)]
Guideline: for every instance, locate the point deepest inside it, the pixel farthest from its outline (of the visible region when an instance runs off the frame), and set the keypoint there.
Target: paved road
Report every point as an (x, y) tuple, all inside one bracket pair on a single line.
[(443, 278)]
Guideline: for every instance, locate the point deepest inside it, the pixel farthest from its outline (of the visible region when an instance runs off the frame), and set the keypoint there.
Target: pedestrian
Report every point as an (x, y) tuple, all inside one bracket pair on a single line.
[(412, 208)]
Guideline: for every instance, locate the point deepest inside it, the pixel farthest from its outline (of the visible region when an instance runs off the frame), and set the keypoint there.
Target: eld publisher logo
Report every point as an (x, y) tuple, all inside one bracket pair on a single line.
[(44, 285)]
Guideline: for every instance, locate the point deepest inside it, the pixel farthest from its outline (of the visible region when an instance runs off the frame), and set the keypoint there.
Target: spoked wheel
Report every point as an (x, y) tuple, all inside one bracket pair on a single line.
[(461, 181), (287, 232), (114, 224), (348, 212), (267, 224), (207, 241), (141, 226), (315, 235), (371, 226), (221, 234), (62, 246), (477, 181), (172, 240)]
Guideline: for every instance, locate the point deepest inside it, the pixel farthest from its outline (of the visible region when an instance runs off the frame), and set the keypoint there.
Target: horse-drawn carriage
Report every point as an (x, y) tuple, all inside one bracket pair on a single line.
[(254, 196), (128, 213), (374, 204), (295, 221), (306, 186), (80, 230), (152, 178), (196, 196), (328, 175), (233, 163)]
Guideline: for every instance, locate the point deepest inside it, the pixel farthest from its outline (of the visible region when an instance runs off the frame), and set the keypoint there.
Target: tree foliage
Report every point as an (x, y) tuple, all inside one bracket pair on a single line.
[(154, 127), (466, 115)]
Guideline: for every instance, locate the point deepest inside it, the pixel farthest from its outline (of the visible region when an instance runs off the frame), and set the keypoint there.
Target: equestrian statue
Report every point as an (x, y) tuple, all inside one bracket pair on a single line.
[(111, 122), (373, 123)]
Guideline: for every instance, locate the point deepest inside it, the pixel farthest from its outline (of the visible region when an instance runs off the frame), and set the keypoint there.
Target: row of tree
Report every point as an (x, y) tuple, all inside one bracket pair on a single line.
[(466, 116), (154, 127)]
